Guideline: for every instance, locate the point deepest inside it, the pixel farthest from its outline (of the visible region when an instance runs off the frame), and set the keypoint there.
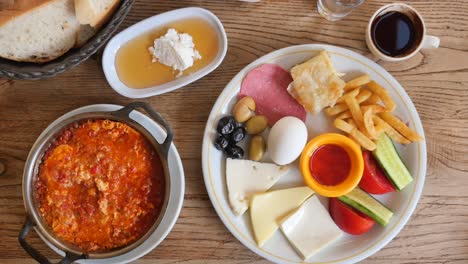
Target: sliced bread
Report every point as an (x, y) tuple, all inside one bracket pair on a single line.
[(84, 34), (5, 4), (37, 36), (95, 12), (9, 9), (15, 6)]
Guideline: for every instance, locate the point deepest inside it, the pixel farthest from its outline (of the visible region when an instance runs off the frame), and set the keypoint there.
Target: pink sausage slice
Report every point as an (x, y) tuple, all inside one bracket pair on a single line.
[(267, 85)]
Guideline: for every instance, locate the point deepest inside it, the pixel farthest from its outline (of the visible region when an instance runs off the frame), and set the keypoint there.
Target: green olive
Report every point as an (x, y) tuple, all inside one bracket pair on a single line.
[(244, 109), (257, 148), (256, 124)]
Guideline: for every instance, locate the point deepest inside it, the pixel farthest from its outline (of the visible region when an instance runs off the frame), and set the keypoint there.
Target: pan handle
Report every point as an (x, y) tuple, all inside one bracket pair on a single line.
[(125, 112), (28, 224)]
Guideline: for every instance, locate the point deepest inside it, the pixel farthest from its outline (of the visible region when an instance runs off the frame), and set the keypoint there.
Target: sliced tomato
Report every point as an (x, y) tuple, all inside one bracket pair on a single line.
[(373, 179), (349, 220)]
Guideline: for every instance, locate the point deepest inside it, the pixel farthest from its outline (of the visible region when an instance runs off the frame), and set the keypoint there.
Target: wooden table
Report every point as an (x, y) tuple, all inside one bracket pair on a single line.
[(436, 80)]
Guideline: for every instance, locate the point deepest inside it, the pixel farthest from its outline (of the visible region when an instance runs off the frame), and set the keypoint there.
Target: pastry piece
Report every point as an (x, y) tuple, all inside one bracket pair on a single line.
[(316, 84)]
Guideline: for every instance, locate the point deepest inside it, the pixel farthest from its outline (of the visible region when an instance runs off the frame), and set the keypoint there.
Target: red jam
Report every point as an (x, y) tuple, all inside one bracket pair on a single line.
[(330, 164)]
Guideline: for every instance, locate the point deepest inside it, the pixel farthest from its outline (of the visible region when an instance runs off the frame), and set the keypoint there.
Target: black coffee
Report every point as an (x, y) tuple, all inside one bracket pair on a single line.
[(394, 34)]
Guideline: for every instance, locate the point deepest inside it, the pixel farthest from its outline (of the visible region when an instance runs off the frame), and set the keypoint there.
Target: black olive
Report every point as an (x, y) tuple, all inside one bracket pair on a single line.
[(221, 143), (226, 125), (237, 135), (234, 152)]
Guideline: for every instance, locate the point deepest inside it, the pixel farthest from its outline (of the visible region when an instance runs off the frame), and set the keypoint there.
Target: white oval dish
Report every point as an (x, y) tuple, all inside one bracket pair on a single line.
[(110, 52), (348, 249), (177, 187)]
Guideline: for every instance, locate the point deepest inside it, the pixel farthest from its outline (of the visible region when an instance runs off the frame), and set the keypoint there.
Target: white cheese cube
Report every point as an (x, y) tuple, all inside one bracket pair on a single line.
[(245, 178), (310, 228)]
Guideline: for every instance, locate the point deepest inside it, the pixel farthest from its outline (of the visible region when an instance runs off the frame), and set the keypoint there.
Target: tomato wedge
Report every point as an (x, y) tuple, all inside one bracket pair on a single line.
[(349, 220), (373, 179)]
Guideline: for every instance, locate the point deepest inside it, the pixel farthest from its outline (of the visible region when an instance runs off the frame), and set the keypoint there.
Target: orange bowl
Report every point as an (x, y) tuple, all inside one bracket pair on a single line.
[(355, 173)]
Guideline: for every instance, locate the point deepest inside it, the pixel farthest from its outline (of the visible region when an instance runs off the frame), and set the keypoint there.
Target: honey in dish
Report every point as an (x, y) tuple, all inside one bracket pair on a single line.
[(133, 60)]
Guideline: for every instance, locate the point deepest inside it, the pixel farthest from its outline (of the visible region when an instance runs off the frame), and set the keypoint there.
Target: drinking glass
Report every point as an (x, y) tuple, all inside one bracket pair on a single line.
[(336, 9)]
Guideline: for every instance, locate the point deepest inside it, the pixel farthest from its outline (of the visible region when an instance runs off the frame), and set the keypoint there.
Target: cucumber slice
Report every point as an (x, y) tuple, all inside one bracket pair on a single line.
[(391, 163), (365, 203)]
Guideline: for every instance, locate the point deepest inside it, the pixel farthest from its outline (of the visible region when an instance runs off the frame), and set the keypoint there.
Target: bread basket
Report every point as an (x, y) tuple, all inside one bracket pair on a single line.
[(33, 71)]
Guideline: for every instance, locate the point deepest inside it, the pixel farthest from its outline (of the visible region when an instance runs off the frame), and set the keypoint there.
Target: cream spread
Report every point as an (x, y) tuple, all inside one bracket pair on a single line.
[(175, 50)]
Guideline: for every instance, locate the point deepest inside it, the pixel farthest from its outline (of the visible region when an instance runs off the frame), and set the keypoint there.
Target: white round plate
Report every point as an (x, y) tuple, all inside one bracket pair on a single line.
[(348, 249), (177, 187)]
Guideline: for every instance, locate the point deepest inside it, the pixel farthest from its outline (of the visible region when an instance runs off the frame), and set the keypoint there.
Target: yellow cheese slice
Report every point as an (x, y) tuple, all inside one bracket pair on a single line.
[(268, 209)]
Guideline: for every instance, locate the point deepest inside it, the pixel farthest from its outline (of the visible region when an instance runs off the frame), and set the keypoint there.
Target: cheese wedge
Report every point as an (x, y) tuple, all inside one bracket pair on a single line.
[(246, 178), (267, 209), (310, 228)]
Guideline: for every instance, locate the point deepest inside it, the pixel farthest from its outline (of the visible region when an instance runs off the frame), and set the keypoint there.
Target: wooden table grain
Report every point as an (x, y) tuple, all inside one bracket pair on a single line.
[(436, 80)]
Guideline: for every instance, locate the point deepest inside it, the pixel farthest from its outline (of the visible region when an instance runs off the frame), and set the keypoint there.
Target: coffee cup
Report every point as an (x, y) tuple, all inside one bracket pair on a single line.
[(397, 32)]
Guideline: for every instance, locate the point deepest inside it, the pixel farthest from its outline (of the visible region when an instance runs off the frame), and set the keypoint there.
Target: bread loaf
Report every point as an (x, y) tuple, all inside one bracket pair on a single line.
[(15, 6), (84, 34), (42, 30), (95, 12), (39, 33), (92, 14)]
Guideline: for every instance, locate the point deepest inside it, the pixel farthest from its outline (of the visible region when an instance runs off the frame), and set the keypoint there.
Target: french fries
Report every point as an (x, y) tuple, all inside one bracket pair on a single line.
[(375, 109), (337, 109), (356, 82), (352, 93), (355, 111), (400, 126), (363, 96), (369, 123), (391, 132), (383, 95), (364, 113), (352, 123), (340, 107), (355, 134), (373, 99), (362, 140), (344, 115), (379, 129), (343, 125)]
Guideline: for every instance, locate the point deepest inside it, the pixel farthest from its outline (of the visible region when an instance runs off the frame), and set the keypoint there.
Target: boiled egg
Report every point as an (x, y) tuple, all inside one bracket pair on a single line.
[(286, 140)]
